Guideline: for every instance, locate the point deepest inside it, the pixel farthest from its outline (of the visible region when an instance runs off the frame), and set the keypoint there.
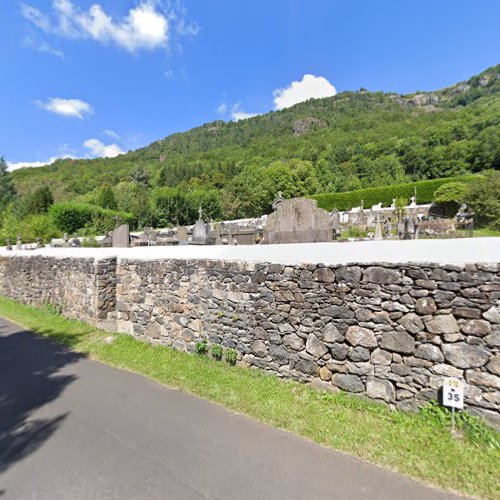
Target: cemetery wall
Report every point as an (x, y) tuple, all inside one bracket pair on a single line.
[(389, 331)]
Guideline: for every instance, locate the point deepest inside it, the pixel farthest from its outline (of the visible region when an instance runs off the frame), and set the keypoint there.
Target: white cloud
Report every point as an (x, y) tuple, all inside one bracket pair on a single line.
[(146, 26), (11, 166), (112, 134), (222, 108), (74, 108), (97, 148), (168, 74), (34, 42), (310, 87), (238, 114)]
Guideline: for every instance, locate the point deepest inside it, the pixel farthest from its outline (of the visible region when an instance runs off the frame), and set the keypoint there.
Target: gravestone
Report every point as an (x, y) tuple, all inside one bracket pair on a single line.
[(19, 243), (38, 243), (201, 231), (182, 235), (120, 237), (298, 220), (65, 240), (8, 245), (378, 228)]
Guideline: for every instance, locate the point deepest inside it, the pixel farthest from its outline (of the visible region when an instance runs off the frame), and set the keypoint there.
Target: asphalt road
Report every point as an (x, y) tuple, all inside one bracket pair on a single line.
[(71, 428)]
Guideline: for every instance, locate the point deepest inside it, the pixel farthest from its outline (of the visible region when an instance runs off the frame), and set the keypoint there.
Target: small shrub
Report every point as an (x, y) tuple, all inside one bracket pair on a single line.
[(90, 243), (217, 352), (231, 356), (201, 347), (52, 309)]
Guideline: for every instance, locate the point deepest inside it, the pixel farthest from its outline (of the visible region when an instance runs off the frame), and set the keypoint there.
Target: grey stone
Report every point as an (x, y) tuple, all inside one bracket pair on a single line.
[(351, 383), (324, 274), (467, 312), (259, 348), (477, 327), (443, 323), (382, 275), (363, 337), (307, 366), (494, 365), (381, 357), (425, 306), (315, 347), (348, 274), (359, 354), (447, 370), (279, 355), (464, 356), (293, 341), (492, 314), (493, 340), (339, 351), (411, 323), (483, 379), (398, 342), (429, 352), (380, 389), (330, 333)]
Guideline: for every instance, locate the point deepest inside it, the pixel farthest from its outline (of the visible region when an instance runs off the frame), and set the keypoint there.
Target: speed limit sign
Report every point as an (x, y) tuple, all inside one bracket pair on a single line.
[(453, 393)]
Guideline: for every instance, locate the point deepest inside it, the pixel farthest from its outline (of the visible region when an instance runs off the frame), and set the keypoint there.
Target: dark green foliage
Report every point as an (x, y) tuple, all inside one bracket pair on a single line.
[(231, 356), (217, 351), (40, 201), (455, 192), (70, 217), (7, 191), (176, 207), (140, 176), (201, 347), (106, 198), (483, 197), (372, 196)]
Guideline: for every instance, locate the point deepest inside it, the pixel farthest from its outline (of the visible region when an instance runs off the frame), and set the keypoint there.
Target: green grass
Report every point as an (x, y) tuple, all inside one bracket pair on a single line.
[(485, 232), (419, 446)]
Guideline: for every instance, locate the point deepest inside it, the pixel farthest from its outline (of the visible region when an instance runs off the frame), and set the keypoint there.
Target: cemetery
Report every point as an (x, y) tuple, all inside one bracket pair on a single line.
[(390, 319)]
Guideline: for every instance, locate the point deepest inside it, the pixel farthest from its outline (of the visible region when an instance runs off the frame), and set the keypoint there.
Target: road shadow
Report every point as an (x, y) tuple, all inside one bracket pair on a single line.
[(29, 379)]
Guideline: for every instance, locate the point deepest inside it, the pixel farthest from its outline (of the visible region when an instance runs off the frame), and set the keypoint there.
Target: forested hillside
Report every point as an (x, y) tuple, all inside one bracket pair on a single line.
[(351, 141)]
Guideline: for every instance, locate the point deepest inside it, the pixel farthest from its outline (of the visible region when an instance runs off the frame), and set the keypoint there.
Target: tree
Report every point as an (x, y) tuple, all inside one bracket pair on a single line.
[(40, 201), (140, 176), (7, 190), (455, 192), (483, 197), (106, 198)]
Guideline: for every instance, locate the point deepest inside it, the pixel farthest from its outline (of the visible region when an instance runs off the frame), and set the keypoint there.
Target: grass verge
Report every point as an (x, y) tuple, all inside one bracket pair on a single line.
[(419, 446)]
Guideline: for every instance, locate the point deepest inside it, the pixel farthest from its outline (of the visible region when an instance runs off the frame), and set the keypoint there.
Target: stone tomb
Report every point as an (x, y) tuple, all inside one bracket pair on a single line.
[(298, 220), (121, 236)]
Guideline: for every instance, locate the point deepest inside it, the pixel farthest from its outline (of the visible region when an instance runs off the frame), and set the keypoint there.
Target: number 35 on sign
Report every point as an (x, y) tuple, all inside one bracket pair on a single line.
[(453, 393)]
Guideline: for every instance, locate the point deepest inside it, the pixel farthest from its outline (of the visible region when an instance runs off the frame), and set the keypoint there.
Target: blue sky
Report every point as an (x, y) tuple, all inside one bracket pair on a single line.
[(94, 78)]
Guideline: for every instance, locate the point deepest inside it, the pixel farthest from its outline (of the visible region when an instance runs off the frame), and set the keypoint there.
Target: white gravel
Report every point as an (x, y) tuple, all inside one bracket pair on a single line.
[(460, 251)]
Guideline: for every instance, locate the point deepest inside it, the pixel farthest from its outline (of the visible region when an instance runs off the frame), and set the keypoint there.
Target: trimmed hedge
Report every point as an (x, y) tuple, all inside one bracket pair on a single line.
[(70, 217), (385, 194)]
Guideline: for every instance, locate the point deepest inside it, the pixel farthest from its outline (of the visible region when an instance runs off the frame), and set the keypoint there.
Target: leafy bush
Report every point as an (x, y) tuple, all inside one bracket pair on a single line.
[(70, 217), (372, 196), (231, 356), (451, 192), (483, 197), (201, 347), (217, 351)]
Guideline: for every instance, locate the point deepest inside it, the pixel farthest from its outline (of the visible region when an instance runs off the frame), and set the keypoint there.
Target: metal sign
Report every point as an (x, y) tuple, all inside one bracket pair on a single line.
[(453, 393)]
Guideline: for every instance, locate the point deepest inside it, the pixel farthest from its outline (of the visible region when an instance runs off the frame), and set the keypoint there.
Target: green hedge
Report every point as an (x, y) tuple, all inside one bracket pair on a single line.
[(373, 196), (72, 217)]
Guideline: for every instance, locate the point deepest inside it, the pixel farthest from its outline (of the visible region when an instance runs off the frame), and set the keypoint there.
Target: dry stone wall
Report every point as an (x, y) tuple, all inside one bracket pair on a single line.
[(392, 332)]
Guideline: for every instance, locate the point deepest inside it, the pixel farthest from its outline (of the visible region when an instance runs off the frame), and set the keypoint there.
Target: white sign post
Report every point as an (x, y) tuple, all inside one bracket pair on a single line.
[(453, 396)]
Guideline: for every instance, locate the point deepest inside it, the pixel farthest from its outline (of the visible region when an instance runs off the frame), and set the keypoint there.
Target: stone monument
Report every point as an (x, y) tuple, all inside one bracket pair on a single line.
[(182, 235), (298, 220), (201, 231), (120, 237), (19, 243)]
